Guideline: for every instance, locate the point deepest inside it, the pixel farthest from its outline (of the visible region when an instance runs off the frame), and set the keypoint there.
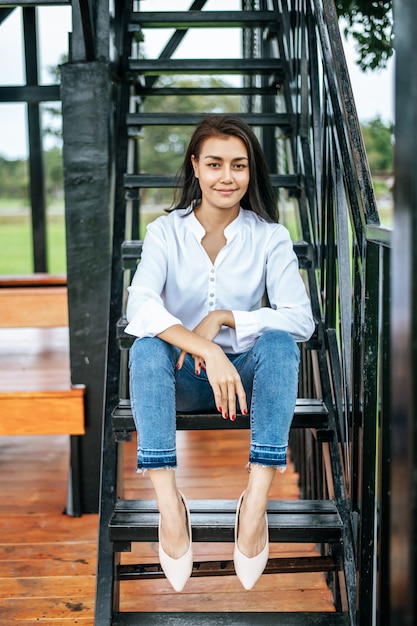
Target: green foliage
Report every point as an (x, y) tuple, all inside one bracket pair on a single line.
[(379, 138), (54, 177), (370, 23), (14, 178)]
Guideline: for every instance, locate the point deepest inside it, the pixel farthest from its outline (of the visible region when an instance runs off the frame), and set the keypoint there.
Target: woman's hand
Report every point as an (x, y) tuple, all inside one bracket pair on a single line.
[(208, 328), (221, 373), (225, 382)]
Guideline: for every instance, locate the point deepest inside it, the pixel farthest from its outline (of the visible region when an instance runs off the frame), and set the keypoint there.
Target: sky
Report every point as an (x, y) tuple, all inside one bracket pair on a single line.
[(373, 91)]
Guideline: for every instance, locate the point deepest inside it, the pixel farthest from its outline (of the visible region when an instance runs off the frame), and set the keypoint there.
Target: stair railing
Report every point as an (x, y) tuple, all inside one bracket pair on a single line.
[(349, 287)]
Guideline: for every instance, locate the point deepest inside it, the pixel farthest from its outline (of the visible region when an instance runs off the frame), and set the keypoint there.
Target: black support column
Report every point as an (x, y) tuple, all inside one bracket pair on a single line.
[(87, 167), (86, 109)]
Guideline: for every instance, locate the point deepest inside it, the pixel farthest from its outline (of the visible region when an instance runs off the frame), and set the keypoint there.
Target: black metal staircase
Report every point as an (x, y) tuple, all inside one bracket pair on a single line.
[(278, 98), (295, 89)]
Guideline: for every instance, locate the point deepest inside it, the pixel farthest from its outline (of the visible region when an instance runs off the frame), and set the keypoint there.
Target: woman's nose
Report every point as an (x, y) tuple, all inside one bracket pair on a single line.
[(227, 174)]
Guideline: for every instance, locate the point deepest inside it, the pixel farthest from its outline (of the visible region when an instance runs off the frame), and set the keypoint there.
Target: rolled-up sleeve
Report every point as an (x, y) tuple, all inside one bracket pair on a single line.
[(289, 309), (146, 312)]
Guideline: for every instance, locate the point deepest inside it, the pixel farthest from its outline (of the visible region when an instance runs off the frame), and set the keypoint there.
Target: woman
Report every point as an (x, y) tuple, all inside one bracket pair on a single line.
[(205, 341)]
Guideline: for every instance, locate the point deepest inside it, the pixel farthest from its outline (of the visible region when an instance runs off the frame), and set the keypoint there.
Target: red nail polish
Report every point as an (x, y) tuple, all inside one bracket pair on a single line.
[(233, 417), (196, 372), (245, 412), (220, 409), (177, 366)]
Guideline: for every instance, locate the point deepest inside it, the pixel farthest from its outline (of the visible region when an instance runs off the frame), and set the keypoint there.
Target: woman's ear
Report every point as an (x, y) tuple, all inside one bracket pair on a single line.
[(195, 165)]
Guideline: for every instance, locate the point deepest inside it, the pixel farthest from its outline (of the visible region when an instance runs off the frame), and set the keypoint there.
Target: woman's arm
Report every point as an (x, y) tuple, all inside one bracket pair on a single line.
[(221, 373), (290, 308)]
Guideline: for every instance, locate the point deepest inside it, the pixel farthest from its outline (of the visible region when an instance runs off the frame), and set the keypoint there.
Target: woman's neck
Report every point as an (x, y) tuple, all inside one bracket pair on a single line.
[(215, 219)]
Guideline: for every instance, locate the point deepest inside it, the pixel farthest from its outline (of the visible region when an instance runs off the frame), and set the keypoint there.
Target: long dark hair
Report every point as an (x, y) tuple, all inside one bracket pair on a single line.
[(259, 197)]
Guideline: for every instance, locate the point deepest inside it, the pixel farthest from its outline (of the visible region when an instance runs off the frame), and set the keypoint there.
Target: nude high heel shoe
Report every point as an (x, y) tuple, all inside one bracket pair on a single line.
[(177, 571), (247, 569)]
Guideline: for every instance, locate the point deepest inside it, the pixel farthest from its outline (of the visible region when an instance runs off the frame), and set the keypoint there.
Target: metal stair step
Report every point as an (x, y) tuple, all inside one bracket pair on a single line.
[(149, 67), (137, 181), (201, 19), (231, 619), (300, 521), (204, 569), (230, 90), (309, 413), (136, 121)]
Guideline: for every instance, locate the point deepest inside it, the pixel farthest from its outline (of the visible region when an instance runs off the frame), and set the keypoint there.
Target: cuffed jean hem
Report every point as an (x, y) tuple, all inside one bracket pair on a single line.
[(268, 456), (152, 459)]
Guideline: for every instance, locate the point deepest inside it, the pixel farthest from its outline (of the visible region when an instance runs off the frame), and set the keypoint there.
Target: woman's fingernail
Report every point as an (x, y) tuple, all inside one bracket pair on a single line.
[(177, 366), (245, 412), (233, 417), (220, 409)]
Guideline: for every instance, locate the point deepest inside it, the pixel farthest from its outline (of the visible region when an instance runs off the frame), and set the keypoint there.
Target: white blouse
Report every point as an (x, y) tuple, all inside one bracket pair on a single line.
[(176, 282)]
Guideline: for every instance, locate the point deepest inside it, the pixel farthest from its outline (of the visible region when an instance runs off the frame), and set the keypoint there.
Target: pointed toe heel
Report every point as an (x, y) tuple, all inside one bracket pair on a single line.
[(177, 571), (247, 569)]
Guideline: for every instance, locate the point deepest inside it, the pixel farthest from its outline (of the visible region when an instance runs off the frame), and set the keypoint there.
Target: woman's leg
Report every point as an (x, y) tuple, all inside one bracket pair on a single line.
[(156, 387), (269, 372), (152, 391)]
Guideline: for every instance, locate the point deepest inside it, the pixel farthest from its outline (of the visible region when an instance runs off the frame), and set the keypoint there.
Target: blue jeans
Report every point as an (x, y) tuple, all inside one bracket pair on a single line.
[(269, 374)]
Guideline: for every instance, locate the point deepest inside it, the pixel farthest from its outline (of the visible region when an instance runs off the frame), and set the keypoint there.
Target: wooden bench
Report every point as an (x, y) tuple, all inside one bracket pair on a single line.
[(36, 395)]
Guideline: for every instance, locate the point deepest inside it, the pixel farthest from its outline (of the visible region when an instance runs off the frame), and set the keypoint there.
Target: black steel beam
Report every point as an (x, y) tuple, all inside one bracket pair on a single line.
[(87, 27), (30, 93), (4, 13), (136, 121), (230, 619), (36, 164), (206, 90), (34, 3), (280, 565), (203, 19), (149, 67), (135, 181)]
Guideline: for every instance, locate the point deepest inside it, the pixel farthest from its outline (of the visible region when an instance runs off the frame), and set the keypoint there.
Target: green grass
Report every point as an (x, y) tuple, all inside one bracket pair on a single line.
[(16, 245)]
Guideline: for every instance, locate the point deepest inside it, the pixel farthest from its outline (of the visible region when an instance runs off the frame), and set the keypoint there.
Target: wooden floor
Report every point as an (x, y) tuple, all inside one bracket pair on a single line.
[(48, 560)]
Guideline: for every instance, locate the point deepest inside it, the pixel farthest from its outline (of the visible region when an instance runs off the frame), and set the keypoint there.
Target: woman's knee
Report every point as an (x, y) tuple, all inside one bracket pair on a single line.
[(278, 343), (152, 353)]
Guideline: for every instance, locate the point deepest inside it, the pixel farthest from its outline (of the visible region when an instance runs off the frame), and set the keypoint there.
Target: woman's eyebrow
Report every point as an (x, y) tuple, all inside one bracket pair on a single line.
[(217, 158)]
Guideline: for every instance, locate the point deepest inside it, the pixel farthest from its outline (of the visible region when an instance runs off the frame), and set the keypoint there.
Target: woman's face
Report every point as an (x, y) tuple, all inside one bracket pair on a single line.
[(222, 169)]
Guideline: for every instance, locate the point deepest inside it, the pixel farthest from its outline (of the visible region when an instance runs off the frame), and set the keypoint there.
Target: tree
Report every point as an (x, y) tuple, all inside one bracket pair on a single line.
[(378, 138), (370, 23), (14, 179)]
